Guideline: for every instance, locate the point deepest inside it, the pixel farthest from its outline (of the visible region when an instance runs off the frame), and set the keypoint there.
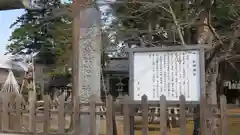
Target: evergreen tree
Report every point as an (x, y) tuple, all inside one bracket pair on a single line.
[(36, 33)]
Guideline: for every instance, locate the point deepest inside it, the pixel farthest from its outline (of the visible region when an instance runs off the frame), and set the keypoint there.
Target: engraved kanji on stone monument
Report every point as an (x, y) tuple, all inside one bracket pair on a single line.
[(154, 69), (164, 74), (172, 75), (160, 74), (157, 77)]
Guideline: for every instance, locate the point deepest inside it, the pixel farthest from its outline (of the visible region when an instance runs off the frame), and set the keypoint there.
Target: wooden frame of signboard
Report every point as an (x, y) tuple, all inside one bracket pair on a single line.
[(200, 48)]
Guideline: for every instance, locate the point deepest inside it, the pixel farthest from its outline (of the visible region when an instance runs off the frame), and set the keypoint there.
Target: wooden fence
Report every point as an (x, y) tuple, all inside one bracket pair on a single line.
[(12, 115)]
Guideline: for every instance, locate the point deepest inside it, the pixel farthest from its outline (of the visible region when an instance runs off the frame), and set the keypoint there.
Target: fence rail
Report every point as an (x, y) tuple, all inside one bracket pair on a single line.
[(13, 111)]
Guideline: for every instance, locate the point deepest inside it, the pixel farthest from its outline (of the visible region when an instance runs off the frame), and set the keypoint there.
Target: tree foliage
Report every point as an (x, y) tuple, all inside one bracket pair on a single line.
[(43, 32)]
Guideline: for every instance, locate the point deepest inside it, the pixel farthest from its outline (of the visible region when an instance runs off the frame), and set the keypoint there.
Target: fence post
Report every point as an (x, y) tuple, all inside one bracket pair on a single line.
[(12, 109), (109, 115), (18, 113), (163, 115), (182, 115), (5, 116), (61, 114), (223, 111), (126, 115), (93, 114), (76, 115), (144, 115), (32, 112), (202, 114), (46, 114)]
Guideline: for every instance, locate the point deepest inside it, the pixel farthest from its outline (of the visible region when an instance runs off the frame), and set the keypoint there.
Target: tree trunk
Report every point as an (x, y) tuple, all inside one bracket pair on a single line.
[(211, 96), (204, 36)]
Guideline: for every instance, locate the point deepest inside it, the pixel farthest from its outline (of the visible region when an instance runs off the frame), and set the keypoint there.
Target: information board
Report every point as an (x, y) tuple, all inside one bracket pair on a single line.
[(171, 73)]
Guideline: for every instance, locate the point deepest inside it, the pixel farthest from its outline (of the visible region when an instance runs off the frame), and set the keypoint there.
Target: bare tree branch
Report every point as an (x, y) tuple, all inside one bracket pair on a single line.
[(177, 25)]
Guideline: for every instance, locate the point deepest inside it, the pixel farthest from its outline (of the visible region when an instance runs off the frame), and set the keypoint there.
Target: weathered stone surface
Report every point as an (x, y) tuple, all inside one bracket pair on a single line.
[(90, 62)]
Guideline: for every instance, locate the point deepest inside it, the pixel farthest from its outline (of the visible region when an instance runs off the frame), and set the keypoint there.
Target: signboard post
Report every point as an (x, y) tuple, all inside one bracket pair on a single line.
[(170, 71)]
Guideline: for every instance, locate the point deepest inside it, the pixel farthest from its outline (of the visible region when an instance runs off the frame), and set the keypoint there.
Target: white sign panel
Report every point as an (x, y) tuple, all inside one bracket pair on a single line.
[(171, 74)]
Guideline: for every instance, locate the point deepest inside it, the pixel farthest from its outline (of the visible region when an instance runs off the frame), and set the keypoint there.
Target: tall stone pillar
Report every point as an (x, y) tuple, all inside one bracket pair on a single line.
[(89, 61)]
